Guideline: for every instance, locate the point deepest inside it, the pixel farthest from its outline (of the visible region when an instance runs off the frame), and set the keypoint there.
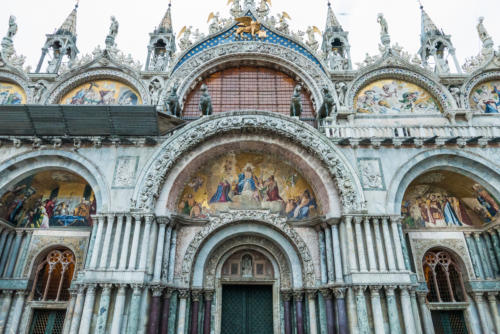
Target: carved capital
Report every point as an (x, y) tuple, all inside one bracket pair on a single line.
[(168, 293), (286, 295), (311, 294), (183, 293), (375, 290), (106, 288), (492, 296), (389, 290), (298, 295), (91, 289), (339, 292), (137, 289), (326, 293), (359, 289), (196, 295), (157, 290), (208, 294)]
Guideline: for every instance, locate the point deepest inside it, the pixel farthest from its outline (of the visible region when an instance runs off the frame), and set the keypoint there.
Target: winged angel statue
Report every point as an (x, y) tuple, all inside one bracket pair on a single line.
[(247, 25)]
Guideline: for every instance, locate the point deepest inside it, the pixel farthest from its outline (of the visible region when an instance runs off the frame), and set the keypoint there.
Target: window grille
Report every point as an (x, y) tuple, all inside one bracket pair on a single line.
[(449, 322), (443, 277), (47, 321), (53, 276)]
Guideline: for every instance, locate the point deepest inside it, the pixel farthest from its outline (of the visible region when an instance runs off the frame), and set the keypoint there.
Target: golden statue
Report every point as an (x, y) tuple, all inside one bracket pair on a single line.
[(247, 25)]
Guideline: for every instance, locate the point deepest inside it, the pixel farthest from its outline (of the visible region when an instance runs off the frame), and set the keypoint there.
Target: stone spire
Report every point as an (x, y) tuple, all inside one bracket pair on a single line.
[(335, 46), (161, 46), (69, 25), (428, 26), (331, 20), (166, 23)]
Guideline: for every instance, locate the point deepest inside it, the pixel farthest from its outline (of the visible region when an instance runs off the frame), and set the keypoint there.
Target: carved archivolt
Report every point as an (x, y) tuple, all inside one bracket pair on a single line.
[(474, 81), (252, 242), (228, 218), (192, 135)]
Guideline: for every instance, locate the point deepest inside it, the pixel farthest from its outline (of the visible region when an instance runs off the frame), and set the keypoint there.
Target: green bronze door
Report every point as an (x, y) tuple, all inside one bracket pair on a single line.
[(247, 309)]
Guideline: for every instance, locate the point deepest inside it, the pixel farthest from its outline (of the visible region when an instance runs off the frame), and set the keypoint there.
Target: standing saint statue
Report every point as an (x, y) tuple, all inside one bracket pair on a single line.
[(481, 30), (384, 29), (12, 27)]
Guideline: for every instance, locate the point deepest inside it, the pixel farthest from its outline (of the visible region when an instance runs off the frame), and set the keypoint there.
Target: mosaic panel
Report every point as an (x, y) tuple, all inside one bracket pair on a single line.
[(485, 97), (11, 94), (102, 92)]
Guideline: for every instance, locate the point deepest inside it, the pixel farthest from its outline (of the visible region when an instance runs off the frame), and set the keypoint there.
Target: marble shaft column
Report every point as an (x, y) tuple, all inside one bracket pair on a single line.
[(107, 243), (343, 326), (484, 261), (407, 311), (352, 314), (126, 243), (97, 244), (166, 253), (426, 313), (392, 309), (475, 257), (322, 256), (298, 297), (4, 310), (207, 317), (478, 298), (363, 325), (77, 313), (414, 307), (70, 311), (491, 254), (15, 318), (13, 257), (88, 307), (388, 245), (181, 319), (135, 304), (329, 252), (492, 300), (372, 263), (337, 256), (3, 238), (135, 243), (397, 243), (406, 256), (287, 317), (116, 242), (5, 253), (154, 311), (145, 243), (171, 261), (116, 325), (378, 319), (496, 244), (343, 247), (379, 245), (350, 244), (159, 250), (93, 235), (22, 256), (151, 252), (102, 317), (311, 303), (195, 308), (360, 244), (330, 316)]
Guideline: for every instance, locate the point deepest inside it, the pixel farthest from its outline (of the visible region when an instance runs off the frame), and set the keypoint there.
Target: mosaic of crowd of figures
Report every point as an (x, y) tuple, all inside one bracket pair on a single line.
[(485, 97), (245, 181), (392, 96), (11, 94), (49, 199), (439, 199), (102, 92)]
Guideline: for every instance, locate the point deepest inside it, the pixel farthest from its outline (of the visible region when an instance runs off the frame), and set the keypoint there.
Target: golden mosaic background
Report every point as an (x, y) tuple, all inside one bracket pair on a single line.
[(102, 92), (485, 97), (11, 93)]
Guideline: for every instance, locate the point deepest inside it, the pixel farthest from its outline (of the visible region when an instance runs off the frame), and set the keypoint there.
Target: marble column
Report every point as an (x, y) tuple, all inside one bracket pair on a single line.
[(166, 253), (154, 311), (496, 244), (103, 264), (70, 310), (483, 256), (22, 256), (3, 238), (159, 249), (116, 325), (77, 313), (352, 314), (360, 244), (145, 242), (93, 235), (116, 242), (13, 256), (388, 245), (363, 325), (181, 320), (426, 313), (135, 304), (207, 317), (88, 307), (406, 256), (126, 243), (329, 252), (337, 256), (350, 244), (287, 317), (397, 243), (298, 297), (380, 246), (491, 254), (171, 261), (492, 301), (135, 243), (414, 307), (474, 255), (341, 310), (330, 320), (15, 318), (311, 303), (195, 308), (6, 252), (392, 309), (372, 263), (4, 310), (378, 319), (322, 255), (478, 298), (102, 317), (97, 244), (407, 311)]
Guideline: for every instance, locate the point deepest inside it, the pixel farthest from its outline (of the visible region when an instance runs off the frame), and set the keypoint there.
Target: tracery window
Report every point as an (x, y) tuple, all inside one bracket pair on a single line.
[(443, 277), (53, 276)]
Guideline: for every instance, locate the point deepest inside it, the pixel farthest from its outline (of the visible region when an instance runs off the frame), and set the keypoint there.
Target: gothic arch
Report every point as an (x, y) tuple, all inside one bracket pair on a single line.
[(18, 167), (153, 176), (462, 162)]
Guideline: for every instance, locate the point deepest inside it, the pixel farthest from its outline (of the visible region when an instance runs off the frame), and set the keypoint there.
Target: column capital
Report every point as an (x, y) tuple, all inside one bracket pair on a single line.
[(91, 288), (286, 295), (348, 219), (326, 293), (375, 290), (106, 287), (7, 292), (396, 219), (477, 235), (478, 296), (168, 293), (111, 217), (121, 288), (339, 292), (157, 290), (358, 220), (298, 295), (492, 232), (21, 293), (492, 296), (359, 289), (468, 234), (196, 295), (324, 225), (148, 219), (311, 293), (389, 289), (72, 291), (19, 233), (208, 294), (80, 288), (136, 288), (183, 293), (405, 289), (162, 220), (366, 219)]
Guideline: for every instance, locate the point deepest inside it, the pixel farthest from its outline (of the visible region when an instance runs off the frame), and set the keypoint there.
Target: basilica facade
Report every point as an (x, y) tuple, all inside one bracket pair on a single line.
[(250, 180)]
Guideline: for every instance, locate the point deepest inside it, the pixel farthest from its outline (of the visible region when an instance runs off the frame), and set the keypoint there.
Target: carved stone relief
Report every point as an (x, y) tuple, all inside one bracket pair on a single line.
[(370, 170), (125, 172)]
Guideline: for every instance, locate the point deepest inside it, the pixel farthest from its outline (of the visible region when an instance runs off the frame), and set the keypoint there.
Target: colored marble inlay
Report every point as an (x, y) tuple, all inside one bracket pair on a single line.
[(102, 92), (485, 97), (11, 94)]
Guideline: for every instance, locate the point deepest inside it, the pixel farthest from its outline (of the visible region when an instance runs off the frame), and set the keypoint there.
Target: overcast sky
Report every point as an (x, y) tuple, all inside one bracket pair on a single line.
[(138, 18)]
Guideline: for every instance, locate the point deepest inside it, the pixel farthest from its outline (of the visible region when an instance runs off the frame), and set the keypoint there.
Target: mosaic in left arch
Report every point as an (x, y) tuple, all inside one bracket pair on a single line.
[(53, 198), (11, 93), (102, 92)]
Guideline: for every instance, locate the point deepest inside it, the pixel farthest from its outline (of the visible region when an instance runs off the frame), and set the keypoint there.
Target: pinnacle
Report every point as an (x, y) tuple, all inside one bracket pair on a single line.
[(69, 25), (166, 22)]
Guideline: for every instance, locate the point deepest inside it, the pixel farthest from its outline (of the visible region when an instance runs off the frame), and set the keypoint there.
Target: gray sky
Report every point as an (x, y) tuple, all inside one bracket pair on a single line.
[(138, 18)]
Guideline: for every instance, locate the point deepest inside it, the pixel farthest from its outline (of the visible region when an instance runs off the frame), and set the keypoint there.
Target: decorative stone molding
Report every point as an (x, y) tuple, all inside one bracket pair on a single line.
[(473, 82), (175, 147)]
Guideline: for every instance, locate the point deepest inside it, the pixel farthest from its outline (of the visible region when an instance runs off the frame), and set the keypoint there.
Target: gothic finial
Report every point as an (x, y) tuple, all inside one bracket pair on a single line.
[(166, 22), (331, 19), (69, 25), (428, 25)]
